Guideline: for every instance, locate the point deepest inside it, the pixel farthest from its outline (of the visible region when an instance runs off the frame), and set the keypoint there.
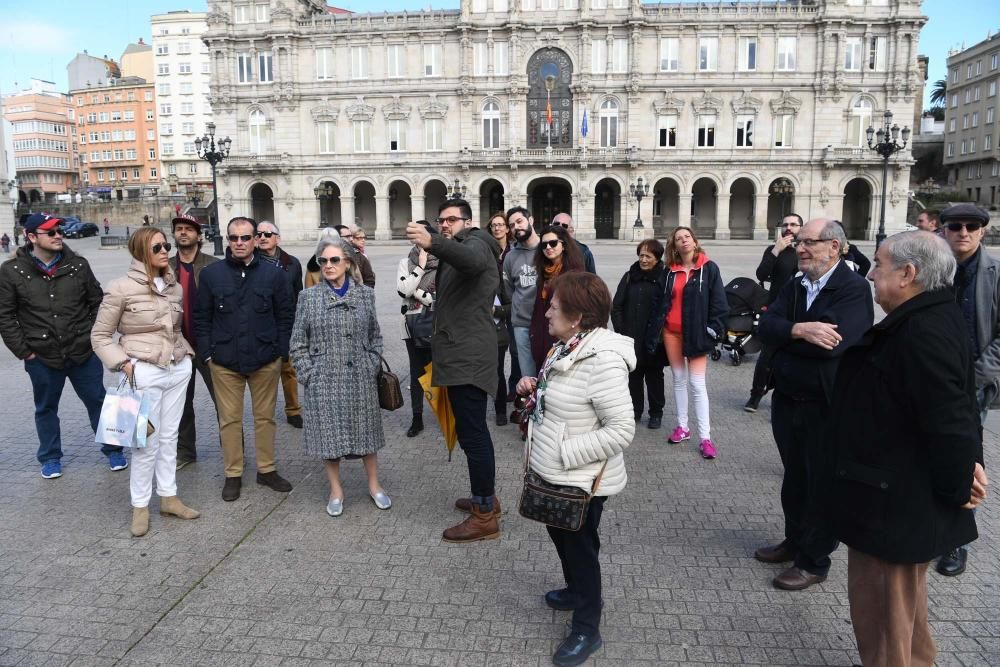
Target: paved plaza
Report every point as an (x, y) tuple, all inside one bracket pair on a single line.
[(272, 579)]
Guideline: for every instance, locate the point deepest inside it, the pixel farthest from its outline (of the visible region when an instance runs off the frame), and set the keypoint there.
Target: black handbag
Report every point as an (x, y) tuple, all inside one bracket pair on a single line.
[(390, 396), (421, 327), (563, 507)]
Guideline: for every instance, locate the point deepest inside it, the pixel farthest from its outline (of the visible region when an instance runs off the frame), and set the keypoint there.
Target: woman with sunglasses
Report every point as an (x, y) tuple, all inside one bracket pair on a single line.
[(336, 348), (145, 307), (557, 254), (500, 231), (687, 317)]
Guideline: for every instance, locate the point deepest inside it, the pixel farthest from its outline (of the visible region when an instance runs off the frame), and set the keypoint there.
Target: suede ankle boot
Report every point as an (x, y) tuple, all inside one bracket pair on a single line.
[(172, 505), (479, 525), (140, 521)]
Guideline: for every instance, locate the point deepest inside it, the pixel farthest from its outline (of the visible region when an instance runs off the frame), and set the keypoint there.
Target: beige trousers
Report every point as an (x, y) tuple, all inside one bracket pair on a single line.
[(290, 388), (230, 388)]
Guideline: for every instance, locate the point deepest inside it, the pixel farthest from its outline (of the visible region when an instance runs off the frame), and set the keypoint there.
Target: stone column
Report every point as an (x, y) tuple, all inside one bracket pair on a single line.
[(417, 207), (382, 230), (474, 205), (722, 215), (684, 209), (319, 213), (346, 208), (583, 217), (760, 230)]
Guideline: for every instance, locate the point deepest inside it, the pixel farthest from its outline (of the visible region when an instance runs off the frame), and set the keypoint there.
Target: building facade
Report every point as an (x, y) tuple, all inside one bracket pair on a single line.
[(183, 72), (8, 183), (971, 153), (732, 113), (137, 60), (87, 70), (119, 154), (43, 125)]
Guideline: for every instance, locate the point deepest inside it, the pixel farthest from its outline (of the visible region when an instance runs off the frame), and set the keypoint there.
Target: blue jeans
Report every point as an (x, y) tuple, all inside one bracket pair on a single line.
[(522, 340), (47, 385)]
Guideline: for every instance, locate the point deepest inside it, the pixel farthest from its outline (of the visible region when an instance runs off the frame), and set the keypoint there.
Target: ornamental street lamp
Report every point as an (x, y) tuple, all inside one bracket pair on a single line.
[(325, 192), (214, 153), (784, 189), (886, 144), (638, 190), (457, 190)]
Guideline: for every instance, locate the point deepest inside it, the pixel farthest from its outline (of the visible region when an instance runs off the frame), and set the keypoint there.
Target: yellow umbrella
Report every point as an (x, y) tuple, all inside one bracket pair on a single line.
[(437, 398)]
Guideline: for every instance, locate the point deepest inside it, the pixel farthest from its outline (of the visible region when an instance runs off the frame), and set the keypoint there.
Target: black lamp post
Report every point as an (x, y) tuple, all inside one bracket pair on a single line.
[(214, 153), (784, 189), (457, 190), (885, 142), (638, 190), (324, 193)]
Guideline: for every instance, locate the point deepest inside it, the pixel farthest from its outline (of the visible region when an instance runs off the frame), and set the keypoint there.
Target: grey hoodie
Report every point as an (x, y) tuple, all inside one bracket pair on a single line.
[(520, 277)]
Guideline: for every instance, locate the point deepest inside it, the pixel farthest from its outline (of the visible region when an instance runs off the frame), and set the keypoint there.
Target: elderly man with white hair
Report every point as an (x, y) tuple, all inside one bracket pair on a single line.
[(904, 480)]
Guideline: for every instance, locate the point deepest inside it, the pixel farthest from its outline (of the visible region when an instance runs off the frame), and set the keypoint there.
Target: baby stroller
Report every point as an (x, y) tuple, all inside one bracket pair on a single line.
[(747, 300)]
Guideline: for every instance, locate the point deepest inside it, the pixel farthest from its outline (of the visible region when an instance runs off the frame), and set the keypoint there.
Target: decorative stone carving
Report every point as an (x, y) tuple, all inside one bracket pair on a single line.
[(824, 196), (359, 110), (747, 103), (227, 200), (280, 12), (325, 113), (707, 104), (785, 104), (290, 199), (433, 108), (395, 110), (668, 105)]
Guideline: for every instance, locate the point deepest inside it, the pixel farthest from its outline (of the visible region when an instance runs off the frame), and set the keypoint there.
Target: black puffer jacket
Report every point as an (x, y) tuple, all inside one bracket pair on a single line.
[(50, 317), (635, 297), (703, 307)]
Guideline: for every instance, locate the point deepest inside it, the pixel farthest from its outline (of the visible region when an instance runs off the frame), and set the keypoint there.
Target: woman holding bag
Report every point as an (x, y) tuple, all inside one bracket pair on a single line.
[(145, 307), (416, 280), (336, 348), (579, 417)]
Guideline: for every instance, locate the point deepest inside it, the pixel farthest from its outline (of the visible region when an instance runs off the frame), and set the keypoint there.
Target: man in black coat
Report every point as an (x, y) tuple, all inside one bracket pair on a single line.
[(904, 480), (776, 268), (243, 321), (811, 324)]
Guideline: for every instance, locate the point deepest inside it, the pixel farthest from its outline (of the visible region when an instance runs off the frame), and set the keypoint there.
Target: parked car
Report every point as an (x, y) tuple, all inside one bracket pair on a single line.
[(80, 230)]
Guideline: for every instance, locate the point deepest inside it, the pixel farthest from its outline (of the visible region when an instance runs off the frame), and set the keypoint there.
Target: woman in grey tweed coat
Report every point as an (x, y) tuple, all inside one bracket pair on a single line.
[(335, 348)]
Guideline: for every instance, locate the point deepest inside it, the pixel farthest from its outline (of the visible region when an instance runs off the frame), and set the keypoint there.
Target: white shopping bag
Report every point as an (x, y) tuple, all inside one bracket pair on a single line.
[(124, 417)]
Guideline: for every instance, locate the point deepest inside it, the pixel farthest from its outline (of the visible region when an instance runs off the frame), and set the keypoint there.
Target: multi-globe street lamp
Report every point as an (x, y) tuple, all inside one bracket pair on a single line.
[(638, 190), (885, 142), (214, 153), (456, 190)]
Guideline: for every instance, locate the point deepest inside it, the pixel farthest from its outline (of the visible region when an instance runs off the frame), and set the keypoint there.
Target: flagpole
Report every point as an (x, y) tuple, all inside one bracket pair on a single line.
[(548, 115)]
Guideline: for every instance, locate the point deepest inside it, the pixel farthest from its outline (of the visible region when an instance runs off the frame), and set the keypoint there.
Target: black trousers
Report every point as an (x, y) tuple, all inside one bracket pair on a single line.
[(762, 371), (650, 374), (797, 428), (187, 448), (515, 365), (419, 357), (579, 554), (468, 403), (500, 400)]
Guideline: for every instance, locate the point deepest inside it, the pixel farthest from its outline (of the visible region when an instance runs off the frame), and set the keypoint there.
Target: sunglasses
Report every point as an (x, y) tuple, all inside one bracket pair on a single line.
[(360, 237), (323, 261), (969, 226), (266, 235), (564, 225), (234, 238), (51, 233), (157, 247), (551, 244)]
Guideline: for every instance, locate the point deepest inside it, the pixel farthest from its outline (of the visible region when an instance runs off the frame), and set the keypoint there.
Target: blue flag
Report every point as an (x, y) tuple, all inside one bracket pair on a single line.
[(583, 125)]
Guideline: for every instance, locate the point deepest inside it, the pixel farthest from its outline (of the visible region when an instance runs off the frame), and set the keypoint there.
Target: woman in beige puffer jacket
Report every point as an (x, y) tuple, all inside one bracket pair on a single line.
[(145, 307), (580, 420)]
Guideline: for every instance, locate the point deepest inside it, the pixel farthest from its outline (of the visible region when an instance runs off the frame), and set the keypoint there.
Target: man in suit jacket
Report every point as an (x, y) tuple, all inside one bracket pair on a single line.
[(904, 480), (815, 319)]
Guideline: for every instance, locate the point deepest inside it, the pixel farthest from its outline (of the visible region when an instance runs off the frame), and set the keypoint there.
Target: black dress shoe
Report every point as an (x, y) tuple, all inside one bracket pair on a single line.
[(501, 419), (274, 481), (575, 649), (416, 426), (779, 553), (562, 599), (655, 422), (231, 489), (295, 420), (952, 563), (797, 579)]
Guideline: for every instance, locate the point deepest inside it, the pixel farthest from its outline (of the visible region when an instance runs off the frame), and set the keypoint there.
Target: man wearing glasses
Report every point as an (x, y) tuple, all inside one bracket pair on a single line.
[(776, 267), (464, 337), (364, 265), (977, 289), (242, 322), (565, 220), (268, 238), (810, 325), (48, 303)]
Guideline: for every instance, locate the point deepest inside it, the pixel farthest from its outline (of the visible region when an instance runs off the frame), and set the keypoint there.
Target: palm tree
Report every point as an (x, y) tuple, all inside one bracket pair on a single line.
[(939, 93)]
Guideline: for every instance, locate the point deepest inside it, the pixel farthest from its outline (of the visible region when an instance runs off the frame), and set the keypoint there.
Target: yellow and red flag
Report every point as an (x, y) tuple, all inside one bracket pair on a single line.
[(548, 112)]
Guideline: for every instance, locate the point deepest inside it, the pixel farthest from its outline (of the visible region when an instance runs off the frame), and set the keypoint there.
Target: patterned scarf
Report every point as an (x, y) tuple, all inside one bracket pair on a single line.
[(534, 407), (551, 271)]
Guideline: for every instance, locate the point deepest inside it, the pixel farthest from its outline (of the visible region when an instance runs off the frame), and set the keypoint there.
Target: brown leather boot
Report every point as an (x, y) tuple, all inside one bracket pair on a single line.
[(477, 526), (465, 505), (172, 505)]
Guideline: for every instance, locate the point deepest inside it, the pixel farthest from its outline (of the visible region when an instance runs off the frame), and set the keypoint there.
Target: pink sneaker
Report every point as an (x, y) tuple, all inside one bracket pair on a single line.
[(679, 435), (707, 449)]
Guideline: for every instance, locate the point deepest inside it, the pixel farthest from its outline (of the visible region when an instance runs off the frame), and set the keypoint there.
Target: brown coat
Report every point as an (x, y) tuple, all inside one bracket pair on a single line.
[(149, 321)]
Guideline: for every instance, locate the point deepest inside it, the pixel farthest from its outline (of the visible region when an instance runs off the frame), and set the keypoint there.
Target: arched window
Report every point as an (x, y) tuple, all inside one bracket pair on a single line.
[(257, 123), (860, 120), (608, 116), (491, 125)]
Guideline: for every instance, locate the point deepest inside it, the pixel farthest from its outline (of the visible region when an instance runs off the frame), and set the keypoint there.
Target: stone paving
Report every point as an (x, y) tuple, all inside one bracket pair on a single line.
[(271, 579)]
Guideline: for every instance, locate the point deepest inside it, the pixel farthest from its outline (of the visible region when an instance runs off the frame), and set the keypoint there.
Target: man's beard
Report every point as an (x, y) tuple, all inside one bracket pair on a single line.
[(522, 235)]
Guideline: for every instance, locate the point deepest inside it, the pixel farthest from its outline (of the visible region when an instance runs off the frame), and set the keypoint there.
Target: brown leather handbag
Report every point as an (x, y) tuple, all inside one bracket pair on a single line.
[(390, 396)]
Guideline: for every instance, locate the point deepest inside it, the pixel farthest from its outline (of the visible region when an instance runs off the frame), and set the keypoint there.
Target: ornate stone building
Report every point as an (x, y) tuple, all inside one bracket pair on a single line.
[(733, 113)]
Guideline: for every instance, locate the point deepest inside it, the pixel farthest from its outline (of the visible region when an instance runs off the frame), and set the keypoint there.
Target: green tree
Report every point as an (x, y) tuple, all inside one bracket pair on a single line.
[(939, 93)]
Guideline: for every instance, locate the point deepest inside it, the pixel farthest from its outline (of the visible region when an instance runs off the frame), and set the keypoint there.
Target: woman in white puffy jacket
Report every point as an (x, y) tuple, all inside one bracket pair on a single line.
[(579, 418)]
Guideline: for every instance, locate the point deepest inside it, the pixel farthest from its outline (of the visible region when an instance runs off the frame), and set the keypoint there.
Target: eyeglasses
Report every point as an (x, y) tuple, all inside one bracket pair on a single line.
[(969, 226), (551, 244), (564, 225), (323, 261), (786, 225), (499, 225), (51, 232), (266, 235), (244, 238), (359, 237), (809, 243), (158, 247), (451, 220)]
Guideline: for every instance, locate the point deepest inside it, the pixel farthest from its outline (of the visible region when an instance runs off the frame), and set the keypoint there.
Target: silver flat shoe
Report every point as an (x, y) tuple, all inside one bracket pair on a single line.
[(335, 507), (381, 500)]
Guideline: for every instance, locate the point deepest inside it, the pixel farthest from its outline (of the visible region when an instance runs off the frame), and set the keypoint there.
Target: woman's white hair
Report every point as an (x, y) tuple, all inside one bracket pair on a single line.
[(329, 236), (929, 254)]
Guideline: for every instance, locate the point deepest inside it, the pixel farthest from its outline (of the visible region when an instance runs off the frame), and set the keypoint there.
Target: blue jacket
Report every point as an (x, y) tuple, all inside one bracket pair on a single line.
[(244, 313), (704, 307)]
